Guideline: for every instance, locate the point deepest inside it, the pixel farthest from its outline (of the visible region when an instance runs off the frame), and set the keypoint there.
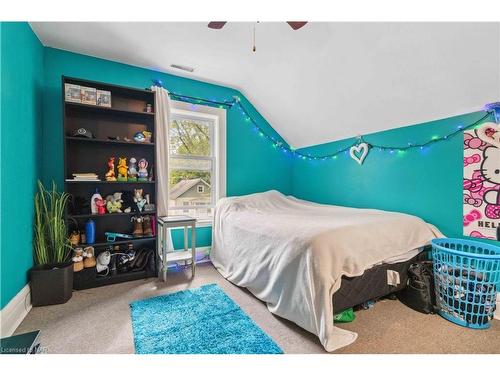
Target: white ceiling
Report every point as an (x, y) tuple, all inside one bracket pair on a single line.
[(324, 82)]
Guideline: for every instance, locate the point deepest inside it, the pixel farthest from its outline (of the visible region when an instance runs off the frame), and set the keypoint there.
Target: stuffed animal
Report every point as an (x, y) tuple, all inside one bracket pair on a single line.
[(122, 169), (132, 170), (128, 204), (139, 200), (114, 202)]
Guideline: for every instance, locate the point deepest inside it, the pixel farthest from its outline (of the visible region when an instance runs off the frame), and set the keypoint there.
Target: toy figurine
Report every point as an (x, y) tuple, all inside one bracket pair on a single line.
[(93, 199), (147, 135), (139, 137), (122, 170), (110, 175), (100, 203), (114, 202), (139, 200), (132, 170), (74, 238), (143, 170)]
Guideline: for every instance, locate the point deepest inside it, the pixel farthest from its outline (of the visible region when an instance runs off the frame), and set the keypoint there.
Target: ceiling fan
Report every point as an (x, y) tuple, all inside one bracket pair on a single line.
[(217, 25), (220, 24)]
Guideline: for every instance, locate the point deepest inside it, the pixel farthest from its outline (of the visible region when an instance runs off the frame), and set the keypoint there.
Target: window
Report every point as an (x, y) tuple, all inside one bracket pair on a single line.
[(193, 164)]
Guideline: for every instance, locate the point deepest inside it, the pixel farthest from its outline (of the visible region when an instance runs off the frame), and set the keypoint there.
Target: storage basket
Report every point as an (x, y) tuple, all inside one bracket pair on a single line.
[(466, 277)]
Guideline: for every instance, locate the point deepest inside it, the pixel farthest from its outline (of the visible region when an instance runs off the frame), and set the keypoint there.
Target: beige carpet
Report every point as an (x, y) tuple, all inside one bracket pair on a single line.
[(98, 321)]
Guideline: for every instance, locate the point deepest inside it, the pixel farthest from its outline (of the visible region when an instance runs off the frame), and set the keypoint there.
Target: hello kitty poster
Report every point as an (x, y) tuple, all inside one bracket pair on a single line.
[(481, 185)]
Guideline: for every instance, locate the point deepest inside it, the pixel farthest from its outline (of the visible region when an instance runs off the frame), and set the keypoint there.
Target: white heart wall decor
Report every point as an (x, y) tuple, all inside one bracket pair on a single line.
[(359, 152), (494, 137)]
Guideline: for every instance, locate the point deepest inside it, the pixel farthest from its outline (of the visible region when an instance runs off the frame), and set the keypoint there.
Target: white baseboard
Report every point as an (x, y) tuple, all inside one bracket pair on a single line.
[(497, 311), (15, 311)]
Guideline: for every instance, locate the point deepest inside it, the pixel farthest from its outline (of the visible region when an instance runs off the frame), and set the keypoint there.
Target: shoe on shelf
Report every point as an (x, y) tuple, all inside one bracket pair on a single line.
[(77, 259), (138, 231), (146, 225), (89, 257)]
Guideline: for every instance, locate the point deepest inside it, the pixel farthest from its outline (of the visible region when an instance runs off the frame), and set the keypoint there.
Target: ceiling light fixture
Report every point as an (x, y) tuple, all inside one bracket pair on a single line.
[(182, 67)]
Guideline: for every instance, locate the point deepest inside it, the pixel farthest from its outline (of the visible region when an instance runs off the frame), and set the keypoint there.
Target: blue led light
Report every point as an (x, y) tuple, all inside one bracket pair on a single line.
[(492, 108)]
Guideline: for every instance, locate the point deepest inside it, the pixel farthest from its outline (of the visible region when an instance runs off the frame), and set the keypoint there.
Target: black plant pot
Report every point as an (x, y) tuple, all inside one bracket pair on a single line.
[(51, 284)]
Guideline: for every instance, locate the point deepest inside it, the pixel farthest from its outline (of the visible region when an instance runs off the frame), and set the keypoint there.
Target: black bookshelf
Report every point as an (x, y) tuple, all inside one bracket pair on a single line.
[(123, 119)]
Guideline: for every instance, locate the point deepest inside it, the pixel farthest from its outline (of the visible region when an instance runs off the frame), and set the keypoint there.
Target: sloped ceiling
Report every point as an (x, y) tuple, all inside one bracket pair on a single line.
[(324, 82)]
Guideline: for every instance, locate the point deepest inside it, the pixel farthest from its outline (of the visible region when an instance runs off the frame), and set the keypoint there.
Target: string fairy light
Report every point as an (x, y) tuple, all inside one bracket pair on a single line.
[(278, 143)]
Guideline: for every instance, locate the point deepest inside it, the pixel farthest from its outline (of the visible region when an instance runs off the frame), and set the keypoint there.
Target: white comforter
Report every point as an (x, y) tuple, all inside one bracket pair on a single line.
[(292, 254)]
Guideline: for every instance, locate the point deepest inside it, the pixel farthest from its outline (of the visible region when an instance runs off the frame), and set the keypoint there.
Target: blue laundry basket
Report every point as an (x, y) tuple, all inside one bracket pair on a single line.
[(466, 277)]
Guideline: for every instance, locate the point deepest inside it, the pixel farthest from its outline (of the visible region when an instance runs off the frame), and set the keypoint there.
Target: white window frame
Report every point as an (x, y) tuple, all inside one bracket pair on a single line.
[(217, 117)]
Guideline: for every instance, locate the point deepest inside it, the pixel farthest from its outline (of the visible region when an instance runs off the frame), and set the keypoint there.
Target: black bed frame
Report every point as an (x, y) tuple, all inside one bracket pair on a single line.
[(372, 284)]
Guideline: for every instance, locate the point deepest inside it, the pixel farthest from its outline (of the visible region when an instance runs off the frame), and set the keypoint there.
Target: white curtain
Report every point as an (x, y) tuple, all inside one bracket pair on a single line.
[(162, 124)]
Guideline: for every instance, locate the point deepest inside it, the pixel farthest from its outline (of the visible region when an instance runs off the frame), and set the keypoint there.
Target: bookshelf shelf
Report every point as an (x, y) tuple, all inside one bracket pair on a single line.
[(125, 118)]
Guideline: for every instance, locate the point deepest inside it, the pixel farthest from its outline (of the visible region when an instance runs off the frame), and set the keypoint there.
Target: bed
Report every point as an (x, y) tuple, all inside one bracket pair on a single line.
[(295, 255)]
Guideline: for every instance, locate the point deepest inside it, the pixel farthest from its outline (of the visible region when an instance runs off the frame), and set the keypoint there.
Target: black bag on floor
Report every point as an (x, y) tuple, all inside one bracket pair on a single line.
[(419, 292)]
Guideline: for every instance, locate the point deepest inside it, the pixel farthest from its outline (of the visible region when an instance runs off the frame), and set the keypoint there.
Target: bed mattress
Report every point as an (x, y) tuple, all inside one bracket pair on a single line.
[(295, 255)]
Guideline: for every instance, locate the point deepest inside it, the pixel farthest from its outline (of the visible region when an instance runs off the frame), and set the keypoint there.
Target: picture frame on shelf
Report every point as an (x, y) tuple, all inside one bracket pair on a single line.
[(89, 95), (72, 93), (104, 98)]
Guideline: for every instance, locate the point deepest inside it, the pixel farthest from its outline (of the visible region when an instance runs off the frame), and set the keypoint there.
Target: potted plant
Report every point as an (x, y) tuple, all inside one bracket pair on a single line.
[(52, 275)]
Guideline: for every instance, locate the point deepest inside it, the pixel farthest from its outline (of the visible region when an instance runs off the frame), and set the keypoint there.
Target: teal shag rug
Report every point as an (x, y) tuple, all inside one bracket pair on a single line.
[(196, 321)]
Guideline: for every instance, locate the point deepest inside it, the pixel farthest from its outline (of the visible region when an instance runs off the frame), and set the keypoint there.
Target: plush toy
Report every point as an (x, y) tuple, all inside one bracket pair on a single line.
[(100, 204), (139, 200), (132, 170), (122, 169), (114, 202), (143, 170), (128, 204), (110, 175)]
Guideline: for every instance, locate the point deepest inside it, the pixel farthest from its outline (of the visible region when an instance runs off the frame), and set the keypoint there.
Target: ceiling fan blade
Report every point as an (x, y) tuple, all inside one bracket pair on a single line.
[(217, 24), (296, 24)]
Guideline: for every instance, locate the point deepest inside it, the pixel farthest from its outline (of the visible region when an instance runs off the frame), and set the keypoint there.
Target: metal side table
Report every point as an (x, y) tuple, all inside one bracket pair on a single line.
[(167, 255)]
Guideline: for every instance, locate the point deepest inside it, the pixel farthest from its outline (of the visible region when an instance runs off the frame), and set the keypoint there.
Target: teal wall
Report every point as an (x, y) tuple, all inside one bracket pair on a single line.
[(31, 80), (252, 164), (21, 114), (426, 183)]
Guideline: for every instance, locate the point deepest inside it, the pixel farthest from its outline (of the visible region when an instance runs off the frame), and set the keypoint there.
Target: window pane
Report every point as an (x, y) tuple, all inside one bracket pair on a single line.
[(190, 137), (199, 213), (189, 188), (193, 164)]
